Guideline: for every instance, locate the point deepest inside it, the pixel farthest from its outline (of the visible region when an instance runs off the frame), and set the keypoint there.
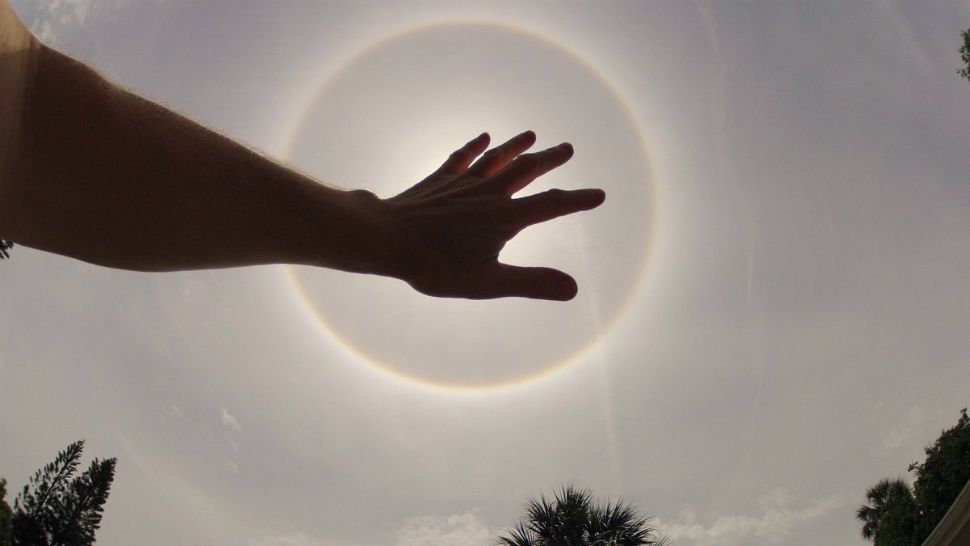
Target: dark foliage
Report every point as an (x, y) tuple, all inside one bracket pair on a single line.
[(965, 55), (897, 515), (891, 517), (58, 508), (944, 473), (5, 515), (572, 519)]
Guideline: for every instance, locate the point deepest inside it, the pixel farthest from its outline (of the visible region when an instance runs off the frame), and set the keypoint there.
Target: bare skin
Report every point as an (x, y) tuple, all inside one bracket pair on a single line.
[(15, 45), (91, 171)]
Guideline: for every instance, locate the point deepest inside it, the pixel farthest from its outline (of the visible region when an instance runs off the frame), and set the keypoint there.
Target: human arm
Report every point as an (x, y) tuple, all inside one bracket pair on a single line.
[(108, 177), (111, 178), (16, 51)]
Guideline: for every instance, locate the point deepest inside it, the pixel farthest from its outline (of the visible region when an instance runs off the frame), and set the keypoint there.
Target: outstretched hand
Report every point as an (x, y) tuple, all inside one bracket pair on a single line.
[(451, 226), (105, 176)]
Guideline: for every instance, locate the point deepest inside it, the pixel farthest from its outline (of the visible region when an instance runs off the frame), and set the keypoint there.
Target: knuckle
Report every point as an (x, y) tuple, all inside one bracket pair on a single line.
[(557, 196), (529, 161)]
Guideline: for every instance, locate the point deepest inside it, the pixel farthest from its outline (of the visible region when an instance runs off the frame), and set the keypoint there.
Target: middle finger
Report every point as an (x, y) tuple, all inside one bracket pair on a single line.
[(498, 157)]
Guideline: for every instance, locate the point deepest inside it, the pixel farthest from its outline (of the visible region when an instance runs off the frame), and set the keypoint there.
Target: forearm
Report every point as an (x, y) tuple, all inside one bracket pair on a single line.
[(17, 48), (102, 175), (113, 179)]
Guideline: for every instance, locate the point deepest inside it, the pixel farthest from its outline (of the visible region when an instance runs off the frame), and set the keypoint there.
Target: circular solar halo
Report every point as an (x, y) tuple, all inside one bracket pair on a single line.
[(443, 83)]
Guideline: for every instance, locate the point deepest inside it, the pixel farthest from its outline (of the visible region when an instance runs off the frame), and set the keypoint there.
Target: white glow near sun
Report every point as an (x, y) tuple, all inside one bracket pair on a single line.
[(412, 99)]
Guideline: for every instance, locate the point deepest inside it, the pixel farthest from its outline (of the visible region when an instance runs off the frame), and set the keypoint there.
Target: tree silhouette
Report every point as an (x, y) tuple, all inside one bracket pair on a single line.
[(941, 477), (58, 508), (891, 517), (965, 55), (572, 519), (5, 514), (898, 515)]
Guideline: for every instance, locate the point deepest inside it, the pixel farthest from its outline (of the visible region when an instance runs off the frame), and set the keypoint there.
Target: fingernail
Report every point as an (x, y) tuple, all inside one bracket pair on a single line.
[(481, 136), (567, 146), (529, 134)]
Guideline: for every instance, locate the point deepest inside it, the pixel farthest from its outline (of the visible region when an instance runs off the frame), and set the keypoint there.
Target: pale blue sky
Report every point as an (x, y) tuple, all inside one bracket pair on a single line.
[(798, 333)]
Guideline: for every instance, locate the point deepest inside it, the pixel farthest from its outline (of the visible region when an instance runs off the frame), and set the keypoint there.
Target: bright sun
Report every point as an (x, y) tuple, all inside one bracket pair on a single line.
[(411, 99)]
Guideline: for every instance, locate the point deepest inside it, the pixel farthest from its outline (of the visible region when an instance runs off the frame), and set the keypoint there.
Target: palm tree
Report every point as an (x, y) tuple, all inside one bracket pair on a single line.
[(891, 516), (572, 519)]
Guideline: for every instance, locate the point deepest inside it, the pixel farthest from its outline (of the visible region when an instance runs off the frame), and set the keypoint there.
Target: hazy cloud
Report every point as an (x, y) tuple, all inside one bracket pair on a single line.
[(230, 421), (776, 524), (170, 413), (56, 14), (909, 430), (466, 529)]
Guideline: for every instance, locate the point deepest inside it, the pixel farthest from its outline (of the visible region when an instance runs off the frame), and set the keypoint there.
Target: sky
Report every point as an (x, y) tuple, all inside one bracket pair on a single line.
[(773, 301)]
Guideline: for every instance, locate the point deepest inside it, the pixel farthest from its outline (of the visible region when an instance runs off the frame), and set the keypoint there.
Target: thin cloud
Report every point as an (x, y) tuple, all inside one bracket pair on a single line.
[(172, 412), (57, 14), (908, 431), (466, 529), (777, 524), (229, 421)]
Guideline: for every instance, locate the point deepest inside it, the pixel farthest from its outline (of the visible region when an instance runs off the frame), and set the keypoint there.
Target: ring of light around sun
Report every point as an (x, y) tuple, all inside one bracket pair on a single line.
[(393, 113)]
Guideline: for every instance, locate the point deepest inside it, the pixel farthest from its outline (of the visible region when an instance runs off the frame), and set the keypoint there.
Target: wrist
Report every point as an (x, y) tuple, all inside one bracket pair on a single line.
[(375, 237), (351, 230)]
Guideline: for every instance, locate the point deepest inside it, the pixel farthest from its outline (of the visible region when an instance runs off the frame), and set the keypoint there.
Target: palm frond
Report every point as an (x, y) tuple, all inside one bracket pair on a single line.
[(572, 519), (520, 535)]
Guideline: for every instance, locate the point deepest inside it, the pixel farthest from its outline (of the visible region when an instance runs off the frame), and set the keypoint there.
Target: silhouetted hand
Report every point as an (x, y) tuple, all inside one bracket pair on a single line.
[(108, 177), (452, 225)]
